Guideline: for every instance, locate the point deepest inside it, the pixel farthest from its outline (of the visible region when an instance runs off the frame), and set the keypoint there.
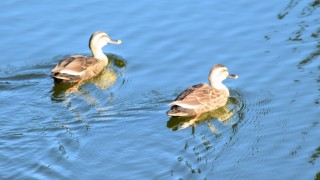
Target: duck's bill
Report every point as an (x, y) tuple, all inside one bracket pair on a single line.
[(115, 41), (233, 76)]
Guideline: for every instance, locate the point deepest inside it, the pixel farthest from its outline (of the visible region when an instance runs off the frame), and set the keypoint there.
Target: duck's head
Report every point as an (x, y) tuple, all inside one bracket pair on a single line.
[(101, 39), (219, 73)]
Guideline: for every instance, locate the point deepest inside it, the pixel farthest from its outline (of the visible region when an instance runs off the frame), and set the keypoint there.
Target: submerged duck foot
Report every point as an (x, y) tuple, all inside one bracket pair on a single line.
[(191, 122), (213, 129), (74, 87)]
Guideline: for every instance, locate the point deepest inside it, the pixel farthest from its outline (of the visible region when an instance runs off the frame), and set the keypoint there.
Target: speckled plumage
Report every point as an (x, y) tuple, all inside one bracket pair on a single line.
[(90, 67), (201, 98)]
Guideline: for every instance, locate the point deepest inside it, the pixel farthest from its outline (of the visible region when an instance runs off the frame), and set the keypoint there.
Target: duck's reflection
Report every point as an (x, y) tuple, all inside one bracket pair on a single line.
[(103, 81)]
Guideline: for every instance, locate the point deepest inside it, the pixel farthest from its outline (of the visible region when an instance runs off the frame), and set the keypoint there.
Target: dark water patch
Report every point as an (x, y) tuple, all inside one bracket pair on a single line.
[(288, 8), (308, 9), (307, 29), (315, 156), (317, 176), (7, 86), (16, 78), (22, 77)]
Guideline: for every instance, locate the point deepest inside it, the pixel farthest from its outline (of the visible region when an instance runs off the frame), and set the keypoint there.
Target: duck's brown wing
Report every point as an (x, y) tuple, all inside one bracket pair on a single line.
[(194, 96), (195, 100), (75, 64), (188, 91), (73, 68)]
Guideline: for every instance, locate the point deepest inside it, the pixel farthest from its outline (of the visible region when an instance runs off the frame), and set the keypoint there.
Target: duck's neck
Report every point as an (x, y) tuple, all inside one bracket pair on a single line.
[(98, 53), (219, 86)]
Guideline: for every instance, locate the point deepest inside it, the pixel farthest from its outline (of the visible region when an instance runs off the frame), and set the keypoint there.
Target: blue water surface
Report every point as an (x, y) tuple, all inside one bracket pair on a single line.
[(115, 127)]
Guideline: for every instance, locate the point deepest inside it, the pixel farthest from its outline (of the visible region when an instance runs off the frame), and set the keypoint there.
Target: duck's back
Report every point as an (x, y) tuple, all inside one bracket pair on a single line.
[(76, 68), (198, 99)]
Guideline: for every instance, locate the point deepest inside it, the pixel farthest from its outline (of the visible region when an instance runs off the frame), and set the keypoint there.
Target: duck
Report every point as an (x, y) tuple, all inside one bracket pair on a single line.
[(78, 68), (202, 98)]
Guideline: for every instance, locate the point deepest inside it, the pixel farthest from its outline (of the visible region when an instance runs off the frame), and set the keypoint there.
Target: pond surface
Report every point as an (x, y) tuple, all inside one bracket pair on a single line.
[(115, 126)]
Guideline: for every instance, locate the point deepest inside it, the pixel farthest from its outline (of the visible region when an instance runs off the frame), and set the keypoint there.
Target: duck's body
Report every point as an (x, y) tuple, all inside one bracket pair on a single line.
[(198, 99), (76, 68), (80, 68), (201, 98)]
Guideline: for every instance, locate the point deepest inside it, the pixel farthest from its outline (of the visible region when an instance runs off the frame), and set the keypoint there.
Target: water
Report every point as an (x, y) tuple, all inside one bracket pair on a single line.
[(115, 127)]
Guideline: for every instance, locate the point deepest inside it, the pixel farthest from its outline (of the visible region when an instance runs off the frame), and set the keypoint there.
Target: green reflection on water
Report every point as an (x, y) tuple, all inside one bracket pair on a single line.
[(315, 156), (317, 177)]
